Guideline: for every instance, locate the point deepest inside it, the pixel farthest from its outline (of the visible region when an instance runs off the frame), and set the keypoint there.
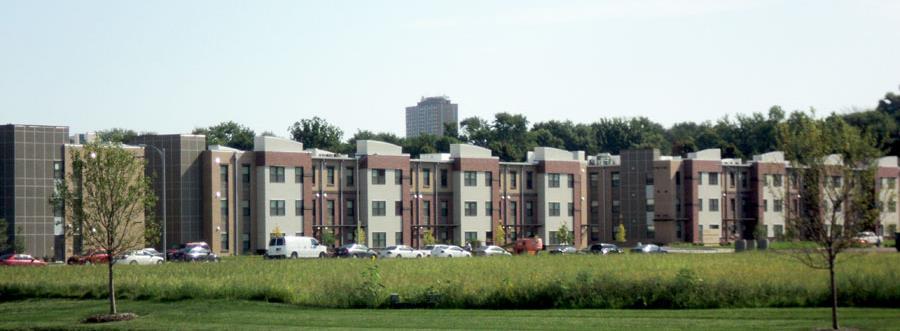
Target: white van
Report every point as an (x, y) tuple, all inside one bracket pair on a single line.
[(295, 247)]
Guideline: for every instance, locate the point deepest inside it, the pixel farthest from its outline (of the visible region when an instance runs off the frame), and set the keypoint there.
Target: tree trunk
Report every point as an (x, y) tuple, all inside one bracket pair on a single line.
[(112, 288), (834, 296)]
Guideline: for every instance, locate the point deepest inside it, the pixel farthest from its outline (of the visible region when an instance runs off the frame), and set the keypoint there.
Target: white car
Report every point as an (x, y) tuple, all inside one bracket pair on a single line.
[(141, 257), (867, 237), (153, 251), (400, 251), (450, 251), (295, 247), (430, 248), (490, 251)]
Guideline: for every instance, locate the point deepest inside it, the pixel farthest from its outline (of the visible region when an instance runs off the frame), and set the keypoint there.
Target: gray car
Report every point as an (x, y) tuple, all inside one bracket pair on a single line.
[(490, 251)]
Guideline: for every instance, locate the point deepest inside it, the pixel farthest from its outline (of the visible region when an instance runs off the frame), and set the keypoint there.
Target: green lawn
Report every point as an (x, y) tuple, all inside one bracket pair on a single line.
[(221, 314)]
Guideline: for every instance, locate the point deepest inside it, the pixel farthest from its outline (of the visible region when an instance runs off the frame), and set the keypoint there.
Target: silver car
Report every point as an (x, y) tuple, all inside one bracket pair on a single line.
[(490, 251)]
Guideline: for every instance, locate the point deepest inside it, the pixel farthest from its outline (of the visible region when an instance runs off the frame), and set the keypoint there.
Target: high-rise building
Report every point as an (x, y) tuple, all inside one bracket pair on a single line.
[(31, 162), (430, 115)]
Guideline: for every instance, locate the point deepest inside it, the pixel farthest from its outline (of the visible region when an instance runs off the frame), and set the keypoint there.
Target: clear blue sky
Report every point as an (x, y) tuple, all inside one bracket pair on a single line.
[(171, 66)]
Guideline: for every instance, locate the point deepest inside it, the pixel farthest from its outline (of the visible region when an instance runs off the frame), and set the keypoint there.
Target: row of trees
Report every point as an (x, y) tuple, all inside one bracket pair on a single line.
[(511, 136)]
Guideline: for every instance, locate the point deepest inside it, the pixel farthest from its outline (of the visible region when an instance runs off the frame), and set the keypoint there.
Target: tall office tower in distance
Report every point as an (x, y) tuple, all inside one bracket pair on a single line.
[(429, 116)]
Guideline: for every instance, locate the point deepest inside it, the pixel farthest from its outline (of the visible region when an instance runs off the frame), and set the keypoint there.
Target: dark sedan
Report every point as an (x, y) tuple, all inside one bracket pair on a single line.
[(605, 249), (564, 250), (198, 254), (355, 251)]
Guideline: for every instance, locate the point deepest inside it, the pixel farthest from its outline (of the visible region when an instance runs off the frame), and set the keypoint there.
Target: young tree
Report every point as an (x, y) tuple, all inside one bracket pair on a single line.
[(427, 237), (328, 237), (834, 167), (620, 233), (499, 235), (563, 236), (360, 236), (8, 244), (107, 199)]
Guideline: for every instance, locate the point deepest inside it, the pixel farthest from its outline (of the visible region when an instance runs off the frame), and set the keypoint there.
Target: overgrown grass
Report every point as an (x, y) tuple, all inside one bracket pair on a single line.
[(623, 281)]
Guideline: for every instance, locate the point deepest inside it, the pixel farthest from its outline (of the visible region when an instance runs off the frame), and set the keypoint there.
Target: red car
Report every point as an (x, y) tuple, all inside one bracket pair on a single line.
[(21, 260), (89, 258)]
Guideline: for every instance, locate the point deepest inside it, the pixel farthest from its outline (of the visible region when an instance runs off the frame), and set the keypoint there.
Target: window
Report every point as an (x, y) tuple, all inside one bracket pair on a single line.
[(350, 180), (553, 180), (699, 178), (713, 178), (276, 175), (593, 179), (57, 170), (245, 208), (529, 209), (776, 180), (529, 180), (426, 177), (471, 236), (488, 178), (678, 178), (443, 177), (378, 176), (714, 226), (614, 179), (298, 207), (398, 208), (648, 180), (765, 205), (777, 205), (379, 239), (378, 208), (554, 208), (554, 238), (398, 176), (743, 179), (314, 208), (315, 174), (488, 208), (713, 204), (616, 207), (398, 238), (350, 208), (470, 178), (572, 181), (731, 179), (514, 211), (245, 173), (571, 209), (513, 179), (650, 206), (276, 207), (426, 209), (329, 209), (445, 210), (700, 204), (298, 175), (329, 175), (836, 181), (471, 208)]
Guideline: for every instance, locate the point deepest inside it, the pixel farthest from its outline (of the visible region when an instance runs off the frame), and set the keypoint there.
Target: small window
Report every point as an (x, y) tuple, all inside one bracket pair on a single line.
[(470, 178), (315, 171), (529, 180), (398, 208), (351, 208), (553, 180), (471, 208), (488, 208), (398, 176), (378, 208), (614, 179), (298, 174), (713, 178), (276, 207), (350, 181), (245, 173), (554, 208), (513, 179), (700, 204), (378, 176), (426, 177), (713, 204), (443, 177), (571, 209), (776, 180), (298, 207), (276, 174), (777, 205), (329, 175), (488, 178), (572, 181)]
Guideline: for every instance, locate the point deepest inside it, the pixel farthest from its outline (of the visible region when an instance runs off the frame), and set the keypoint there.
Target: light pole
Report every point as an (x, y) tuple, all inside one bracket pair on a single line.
[(162, 156)]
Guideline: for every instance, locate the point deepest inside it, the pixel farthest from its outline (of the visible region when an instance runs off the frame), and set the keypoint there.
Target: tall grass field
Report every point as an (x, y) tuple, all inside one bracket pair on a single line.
[(580, 281)]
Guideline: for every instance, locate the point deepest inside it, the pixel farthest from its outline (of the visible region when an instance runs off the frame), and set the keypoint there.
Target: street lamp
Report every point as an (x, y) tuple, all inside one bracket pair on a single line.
[(162, 157)]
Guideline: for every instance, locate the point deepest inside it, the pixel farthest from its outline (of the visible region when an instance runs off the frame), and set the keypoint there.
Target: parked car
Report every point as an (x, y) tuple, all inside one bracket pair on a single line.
[(605, 249), (91, 257), (528, 246), (564, 249), (197, 254), (450, 251), (430, 248), (355, 251), (142, 257), (177, 253), (867, 238), (648, 248), (295, 247), (400, 251), (490, 251), (153, 251), (21, 260)]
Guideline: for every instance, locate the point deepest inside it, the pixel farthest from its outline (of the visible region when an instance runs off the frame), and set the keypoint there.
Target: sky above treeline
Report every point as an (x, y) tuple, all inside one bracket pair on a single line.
[(171, 66)]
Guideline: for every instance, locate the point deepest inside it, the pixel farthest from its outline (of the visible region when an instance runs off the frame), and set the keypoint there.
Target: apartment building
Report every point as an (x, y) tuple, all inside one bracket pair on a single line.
[(430, 115)]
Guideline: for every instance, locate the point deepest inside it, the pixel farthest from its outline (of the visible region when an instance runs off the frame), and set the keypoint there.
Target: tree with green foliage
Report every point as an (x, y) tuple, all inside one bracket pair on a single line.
[(10, 243), (360, 235), (316, 132), (116, 135), (620, 233), (563, 237), (835, 166), (428, 237), (500, 234), (229, 134), (107, 197), (328, 237)]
